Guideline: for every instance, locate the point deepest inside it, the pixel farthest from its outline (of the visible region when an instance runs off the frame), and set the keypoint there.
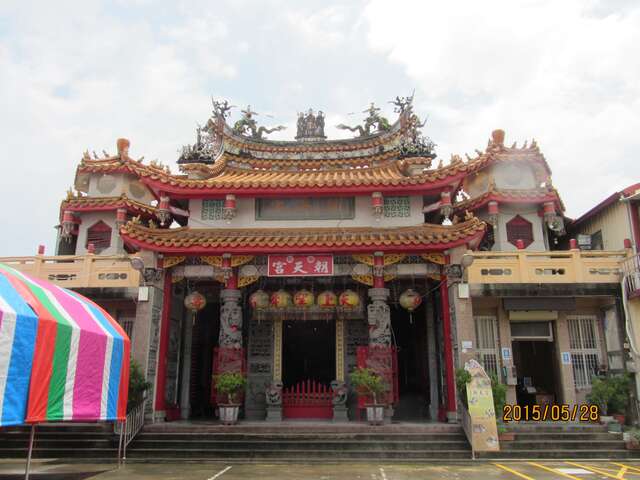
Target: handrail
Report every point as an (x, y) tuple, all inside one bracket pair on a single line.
[(132, 426), (466, 426), (79, 271), (555, 266)]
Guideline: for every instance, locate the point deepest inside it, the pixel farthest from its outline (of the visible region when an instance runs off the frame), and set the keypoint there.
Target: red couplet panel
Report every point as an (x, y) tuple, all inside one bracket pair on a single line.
[(307, 399)]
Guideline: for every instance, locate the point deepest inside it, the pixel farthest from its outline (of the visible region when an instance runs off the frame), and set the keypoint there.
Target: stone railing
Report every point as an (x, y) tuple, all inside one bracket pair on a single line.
[(570, 266), (86, 271)]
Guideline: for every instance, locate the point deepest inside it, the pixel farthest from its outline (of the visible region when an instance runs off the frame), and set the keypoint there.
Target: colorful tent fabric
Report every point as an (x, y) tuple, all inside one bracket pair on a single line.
[(62, 357)]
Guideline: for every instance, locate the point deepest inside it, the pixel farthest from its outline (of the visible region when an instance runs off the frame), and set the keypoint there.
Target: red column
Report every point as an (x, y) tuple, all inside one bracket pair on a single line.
[(448, 352), (378, 270), (163, 347)]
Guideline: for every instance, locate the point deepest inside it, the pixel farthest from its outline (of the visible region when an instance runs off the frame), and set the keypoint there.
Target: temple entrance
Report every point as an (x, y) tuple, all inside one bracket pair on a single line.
[(535, 366), (413, 372), (308, 361)]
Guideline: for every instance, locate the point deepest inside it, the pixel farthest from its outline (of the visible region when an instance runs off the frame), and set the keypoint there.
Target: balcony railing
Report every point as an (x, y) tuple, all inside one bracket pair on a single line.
[(86, 271), (631, 270), (572, 266)]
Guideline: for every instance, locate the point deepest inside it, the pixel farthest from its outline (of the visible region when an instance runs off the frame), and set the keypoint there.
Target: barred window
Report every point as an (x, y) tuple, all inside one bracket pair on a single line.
[(583, 344), (99, 234), (487, 341), (519, 228), (212, 209), (397, 206)]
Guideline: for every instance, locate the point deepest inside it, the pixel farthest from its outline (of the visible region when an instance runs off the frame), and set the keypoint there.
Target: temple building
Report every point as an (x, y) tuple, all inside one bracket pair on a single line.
[(293, 262)]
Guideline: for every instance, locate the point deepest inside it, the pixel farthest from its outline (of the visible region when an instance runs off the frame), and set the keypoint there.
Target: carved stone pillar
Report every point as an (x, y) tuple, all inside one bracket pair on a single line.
[(230, 319), (379, 318)]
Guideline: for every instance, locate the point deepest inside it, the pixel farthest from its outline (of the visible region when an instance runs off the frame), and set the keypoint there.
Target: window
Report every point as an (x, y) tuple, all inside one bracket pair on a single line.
[(212, 209), (100, 235), (583, 344), (397, 206), (596, 241), (487, 341), (307, 208), (519, 228)]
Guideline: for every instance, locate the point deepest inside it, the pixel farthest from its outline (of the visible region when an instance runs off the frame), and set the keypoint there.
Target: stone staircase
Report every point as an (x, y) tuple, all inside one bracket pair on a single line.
[(90, 441), (295, 442), (546, 440)]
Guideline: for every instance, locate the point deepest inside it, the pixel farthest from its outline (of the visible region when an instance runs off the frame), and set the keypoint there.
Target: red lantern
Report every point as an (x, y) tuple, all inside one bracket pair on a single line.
[(259, 300), (410, 300), (327, 299), (303, 298), (280, 299), (349, 299), (195, 302)]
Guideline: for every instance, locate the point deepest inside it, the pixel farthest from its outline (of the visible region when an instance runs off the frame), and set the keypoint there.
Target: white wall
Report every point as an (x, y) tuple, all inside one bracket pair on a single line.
[(88, 220), (513, 176), (528, 212), (613, 222), (114, 185), (245, 217)]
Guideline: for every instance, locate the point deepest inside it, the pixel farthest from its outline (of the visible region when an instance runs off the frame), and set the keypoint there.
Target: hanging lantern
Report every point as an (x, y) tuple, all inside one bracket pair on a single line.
[(303, 298), (494, 210), (259, 300), (68, 224), (229, 207), (377, 205), (121, 217), (349, 299), (327, 299), (446, 209), (164, 215), (280, 299), (410, 300), (195, 302)]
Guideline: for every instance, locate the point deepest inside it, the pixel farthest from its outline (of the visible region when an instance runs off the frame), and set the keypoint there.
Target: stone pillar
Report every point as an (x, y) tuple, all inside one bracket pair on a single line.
[(338, 386), (432, 360), (185, 388), (379, 319), (230, 319), (566, 380), (274, 389)]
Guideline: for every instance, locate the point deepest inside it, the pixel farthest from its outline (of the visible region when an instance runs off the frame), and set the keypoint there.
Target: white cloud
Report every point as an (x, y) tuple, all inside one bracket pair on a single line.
[(555, 71)]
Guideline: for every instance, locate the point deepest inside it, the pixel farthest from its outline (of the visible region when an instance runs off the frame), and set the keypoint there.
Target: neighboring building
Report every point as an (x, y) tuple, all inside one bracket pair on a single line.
[(613, 222), (318, 255)]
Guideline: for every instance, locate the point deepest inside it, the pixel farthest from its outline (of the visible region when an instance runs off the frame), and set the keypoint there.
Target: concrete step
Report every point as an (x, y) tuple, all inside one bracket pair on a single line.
[(325, 445), (288, 437), (563, 445), (557, 453)]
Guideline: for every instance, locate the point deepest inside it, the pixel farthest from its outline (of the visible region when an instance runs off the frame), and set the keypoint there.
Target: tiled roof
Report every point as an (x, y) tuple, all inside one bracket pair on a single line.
[(261, 176), (536, 195), (425, 237), (76, 204)]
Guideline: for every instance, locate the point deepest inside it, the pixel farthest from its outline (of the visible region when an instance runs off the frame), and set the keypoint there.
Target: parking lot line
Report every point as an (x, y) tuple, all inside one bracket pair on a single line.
[(596, 470), (220, 473), (627, 466), (515, 472), (557, 472)]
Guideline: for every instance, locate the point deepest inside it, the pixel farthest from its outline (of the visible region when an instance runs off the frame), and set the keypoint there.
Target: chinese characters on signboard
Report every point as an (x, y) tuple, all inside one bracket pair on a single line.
[(299, 265)]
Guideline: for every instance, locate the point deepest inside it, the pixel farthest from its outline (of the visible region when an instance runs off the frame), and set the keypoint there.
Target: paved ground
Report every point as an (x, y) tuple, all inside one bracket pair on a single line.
[(536, 470)]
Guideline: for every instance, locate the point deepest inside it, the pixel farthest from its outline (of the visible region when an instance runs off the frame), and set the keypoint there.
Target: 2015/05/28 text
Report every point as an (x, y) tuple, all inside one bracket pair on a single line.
[(555, 413)]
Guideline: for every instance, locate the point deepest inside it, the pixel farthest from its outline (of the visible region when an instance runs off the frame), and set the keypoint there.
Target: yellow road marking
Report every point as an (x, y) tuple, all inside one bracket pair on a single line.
[(515, 472), (622, 472), (596, 470), (557, 472), (622, 465)]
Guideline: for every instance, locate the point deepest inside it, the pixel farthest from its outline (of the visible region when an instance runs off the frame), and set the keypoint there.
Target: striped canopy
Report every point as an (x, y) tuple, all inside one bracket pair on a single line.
[(62, 357)]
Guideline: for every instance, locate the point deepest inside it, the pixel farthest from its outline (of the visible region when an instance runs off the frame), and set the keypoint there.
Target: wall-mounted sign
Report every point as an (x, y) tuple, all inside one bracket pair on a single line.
[(566, 358), (299, 265), (506, 353)]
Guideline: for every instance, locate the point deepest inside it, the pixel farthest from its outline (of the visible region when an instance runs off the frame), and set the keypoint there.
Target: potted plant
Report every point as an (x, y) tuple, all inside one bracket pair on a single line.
[(611, 393), (229, 384), (504, 435), (632, 439), (138, 385), (366, 381)]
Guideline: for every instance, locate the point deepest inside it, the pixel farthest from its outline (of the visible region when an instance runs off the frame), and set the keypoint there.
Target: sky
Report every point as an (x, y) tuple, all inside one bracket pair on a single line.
[(77, 75)]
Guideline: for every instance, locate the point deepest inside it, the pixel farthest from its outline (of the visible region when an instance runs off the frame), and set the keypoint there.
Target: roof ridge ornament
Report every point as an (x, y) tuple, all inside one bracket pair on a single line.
[(248, 127), (374, 119), (310, 127)]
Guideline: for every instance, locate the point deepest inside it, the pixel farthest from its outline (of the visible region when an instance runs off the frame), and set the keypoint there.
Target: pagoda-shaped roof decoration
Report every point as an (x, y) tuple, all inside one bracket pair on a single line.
[(247, 139)]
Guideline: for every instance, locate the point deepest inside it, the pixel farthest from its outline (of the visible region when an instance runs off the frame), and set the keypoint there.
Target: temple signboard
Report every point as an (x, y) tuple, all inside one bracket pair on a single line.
[(299, 265)]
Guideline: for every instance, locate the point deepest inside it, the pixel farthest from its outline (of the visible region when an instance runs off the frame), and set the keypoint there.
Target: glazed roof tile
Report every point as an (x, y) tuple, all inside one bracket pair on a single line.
[(76, 204), (425, 237), (536, 195)]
